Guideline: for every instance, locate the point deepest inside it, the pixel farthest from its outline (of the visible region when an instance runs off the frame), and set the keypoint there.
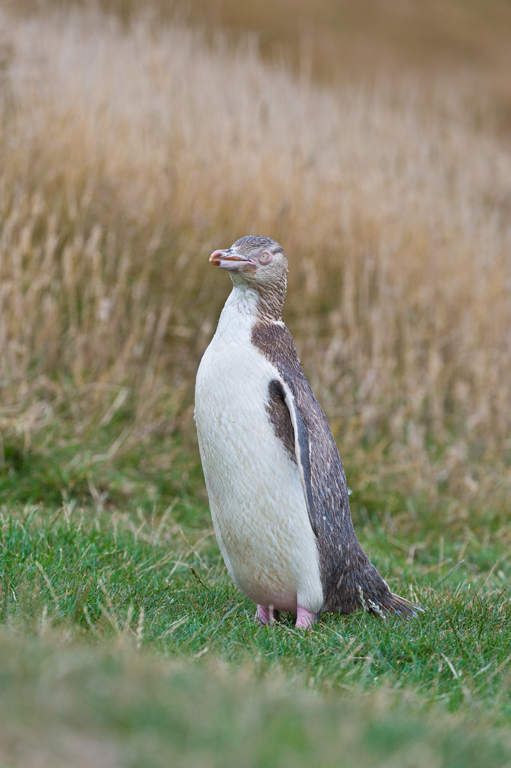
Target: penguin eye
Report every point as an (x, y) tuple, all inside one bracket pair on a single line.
[(265, 257)]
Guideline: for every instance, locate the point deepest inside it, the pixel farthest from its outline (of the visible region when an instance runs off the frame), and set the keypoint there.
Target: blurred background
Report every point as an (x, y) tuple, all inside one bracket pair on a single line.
[(341, 40), (371, 139)]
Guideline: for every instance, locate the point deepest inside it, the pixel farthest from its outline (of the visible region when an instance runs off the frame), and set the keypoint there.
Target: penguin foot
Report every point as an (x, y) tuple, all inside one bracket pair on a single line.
[(266, 615), (304, 618)]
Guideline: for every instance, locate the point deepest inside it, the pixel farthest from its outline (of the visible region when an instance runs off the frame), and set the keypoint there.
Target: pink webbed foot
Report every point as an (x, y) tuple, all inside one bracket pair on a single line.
[(266, 615), (304, 619)]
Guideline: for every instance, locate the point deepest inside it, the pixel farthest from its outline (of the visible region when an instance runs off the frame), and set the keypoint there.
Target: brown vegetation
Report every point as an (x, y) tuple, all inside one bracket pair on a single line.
[(341, 40), (129, 155)]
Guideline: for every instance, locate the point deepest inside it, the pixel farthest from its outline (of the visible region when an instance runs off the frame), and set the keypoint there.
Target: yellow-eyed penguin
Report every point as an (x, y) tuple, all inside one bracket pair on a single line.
[(275, 480)]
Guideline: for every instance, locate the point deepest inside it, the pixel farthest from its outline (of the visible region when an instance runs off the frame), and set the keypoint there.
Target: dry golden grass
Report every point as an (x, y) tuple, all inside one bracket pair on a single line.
[(339, 40), (127, 156)]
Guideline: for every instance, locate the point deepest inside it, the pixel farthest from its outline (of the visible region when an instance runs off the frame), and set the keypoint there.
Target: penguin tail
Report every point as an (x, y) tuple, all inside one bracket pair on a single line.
[(404, 607), (359, 585), (388, 603)]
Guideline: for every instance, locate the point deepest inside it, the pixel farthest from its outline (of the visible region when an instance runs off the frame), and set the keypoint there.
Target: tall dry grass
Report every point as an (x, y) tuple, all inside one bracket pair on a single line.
[(127, 156)]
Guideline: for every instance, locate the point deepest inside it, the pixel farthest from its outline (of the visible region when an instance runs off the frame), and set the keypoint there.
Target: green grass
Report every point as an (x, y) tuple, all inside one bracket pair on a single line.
[(113, 707), (123, 583), (103, 577)]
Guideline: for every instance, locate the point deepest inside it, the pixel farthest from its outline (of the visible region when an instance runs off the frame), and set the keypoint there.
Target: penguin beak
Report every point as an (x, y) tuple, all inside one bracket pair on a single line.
[(230, 260)]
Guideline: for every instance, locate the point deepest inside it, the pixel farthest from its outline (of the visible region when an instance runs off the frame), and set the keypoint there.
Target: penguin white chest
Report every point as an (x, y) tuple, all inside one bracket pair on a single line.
[(255, 492)]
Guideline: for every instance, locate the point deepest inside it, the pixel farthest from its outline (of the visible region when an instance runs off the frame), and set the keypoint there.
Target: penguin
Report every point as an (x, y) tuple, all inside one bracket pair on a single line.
[(275, 480)]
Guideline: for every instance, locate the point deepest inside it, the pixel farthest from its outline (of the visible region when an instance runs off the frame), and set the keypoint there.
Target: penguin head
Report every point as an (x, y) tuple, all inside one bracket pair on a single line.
[(258, 262)]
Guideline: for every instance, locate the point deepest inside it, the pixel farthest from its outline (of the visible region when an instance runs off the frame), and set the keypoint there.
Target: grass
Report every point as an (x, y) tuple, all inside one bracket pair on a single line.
[(147, 593), (338, 41), (103, 574), (127, 155), (115, 190), (122, 708)]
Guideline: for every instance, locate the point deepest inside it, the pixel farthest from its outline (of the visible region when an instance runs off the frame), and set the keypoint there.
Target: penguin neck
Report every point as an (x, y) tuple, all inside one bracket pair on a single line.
[(263, 306)]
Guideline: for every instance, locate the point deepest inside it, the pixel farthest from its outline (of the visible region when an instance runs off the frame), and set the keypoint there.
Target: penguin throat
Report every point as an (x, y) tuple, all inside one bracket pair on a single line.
[(266, 301)]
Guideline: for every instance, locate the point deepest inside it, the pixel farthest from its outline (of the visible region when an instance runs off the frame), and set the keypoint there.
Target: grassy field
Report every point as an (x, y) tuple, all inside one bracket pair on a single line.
[(340, 41), (125, 643), (127, 154)]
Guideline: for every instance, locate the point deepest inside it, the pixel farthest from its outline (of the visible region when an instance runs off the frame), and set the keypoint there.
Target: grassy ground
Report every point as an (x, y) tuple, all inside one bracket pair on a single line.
[(95, 576), (110, 706), (118, 614), (127, 156)]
